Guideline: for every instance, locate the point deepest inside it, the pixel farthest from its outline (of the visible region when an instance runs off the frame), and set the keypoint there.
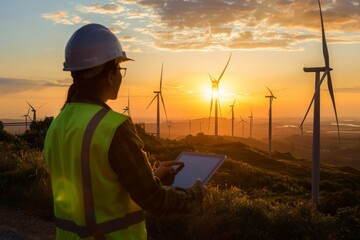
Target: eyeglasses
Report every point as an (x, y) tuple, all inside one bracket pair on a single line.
[(122, 71)]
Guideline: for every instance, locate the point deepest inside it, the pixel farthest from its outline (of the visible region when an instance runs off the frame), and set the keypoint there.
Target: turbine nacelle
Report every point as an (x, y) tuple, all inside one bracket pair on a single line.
[(317, 69)]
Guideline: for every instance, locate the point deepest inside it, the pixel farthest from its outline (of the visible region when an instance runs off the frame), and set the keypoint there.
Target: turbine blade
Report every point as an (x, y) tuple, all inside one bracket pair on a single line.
[(325, 49), (270, 92), (162, 65), (30, 105), (152, 100), (40, 106), (211, 104), (224, 68), (28, 111), (313, 98), (211, 77), (162, 100), (331, 91)]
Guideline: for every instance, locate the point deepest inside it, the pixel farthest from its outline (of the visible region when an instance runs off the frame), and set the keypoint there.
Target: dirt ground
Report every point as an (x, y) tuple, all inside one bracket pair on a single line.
[(22, 225)]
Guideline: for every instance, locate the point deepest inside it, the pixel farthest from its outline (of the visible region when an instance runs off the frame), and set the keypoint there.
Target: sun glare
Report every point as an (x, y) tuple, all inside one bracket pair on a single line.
[(215, 93)]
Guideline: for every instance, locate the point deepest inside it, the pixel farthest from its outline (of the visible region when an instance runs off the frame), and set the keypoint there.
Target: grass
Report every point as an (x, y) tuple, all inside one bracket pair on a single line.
[(251, 196)]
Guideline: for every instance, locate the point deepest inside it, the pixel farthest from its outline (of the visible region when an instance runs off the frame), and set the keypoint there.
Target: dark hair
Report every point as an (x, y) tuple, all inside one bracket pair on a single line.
[(88, 86)]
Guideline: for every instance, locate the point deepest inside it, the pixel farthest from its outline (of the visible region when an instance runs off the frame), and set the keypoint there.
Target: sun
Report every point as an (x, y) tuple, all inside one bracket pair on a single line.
[(215, 93)]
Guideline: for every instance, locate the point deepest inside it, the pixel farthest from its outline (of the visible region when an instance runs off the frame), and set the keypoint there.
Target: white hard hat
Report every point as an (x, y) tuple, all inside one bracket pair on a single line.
[(90, 46)]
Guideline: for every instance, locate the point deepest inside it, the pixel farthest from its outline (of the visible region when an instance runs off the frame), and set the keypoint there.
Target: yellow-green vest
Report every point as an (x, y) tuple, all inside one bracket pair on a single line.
[(89, 201)]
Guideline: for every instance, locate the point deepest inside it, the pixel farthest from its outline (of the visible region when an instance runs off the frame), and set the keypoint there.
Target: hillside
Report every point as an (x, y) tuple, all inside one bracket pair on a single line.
[(251, 196)]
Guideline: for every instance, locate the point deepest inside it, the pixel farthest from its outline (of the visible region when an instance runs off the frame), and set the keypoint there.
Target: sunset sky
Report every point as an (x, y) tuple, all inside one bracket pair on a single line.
[(270, 41)]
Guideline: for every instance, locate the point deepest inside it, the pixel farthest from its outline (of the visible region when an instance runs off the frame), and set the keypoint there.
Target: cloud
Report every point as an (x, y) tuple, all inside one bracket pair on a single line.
[(209, 24), (355, 89), (110, 8), (59, 83), (16, 85), (62, 17), (136, 14), (121, 24), (242, 24)]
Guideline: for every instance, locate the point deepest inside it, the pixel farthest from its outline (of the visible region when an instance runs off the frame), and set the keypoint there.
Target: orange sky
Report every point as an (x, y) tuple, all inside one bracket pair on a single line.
[(270, 42)]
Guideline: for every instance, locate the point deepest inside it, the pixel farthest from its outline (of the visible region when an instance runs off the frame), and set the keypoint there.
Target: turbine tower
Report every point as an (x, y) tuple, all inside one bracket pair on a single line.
[(271, 97), (127, 108), (158, 95), (232, 120), (215, 97), (251, 122), (316, 121)]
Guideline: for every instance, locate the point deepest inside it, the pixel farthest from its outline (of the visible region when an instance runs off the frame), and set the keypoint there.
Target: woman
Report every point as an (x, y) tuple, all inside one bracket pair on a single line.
[(101, 178)]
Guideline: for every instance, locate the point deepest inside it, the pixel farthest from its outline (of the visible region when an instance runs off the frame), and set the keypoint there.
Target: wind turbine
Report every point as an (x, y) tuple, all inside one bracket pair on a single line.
[(127, 108), (169, 126), (215, 97), (243, 122), (271, 97), (251, 122), (26, 118), (34, 110), (232, 120), (316, 121), (158, 95)]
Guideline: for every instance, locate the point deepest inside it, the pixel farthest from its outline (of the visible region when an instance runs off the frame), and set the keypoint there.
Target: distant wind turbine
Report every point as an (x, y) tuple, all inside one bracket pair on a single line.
[(271, 97), (251, 122), (215, 97), (232, 120), (316, 121), (158, 95), (169, 127), (34, 110), (242, 122), (26, 118), (127, 108)]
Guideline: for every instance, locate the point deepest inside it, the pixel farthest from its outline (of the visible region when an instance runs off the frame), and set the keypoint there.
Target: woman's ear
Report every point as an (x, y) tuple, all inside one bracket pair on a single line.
[(110, 78)]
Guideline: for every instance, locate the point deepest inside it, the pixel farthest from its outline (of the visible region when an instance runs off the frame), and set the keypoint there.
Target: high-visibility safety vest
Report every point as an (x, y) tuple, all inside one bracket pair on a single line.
[(89, 200)]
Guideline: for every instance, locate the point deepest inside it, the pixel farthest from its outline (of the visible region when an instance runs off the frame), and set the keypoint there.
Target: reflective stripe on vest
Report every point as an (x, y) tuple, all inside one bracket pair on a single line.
[(93, 229)]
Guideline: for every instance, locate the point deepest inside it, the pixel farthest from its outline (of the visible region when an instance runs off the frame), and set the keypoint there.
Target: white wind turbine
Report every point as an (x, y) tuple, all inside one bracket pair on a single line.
[(158, 95), (232, 120), (271, 97), (215, 98), (316, 121)]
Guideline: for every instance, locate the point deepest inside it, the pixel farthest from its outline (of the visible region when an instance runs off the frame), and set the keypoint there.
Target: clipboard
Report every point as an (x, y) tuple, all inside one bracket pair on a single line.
[(197, 165)]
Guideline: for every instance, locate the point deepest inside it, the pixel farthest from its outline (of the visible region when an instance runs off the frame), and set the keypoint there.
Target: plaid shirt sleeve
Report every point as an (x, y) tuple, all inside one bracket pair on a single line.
[(130, 162)]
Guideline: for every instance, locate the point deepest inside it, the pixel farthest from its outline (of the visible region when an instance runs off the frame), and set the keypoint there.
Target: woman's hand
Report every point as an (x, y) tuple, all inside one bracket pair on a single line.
[(166, 171)]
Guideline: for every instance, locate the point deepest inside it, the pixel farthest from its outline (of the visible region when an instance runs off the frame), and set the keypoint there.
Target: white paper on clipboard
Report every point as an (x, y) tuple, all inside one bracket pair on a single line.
[(197, 165)]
